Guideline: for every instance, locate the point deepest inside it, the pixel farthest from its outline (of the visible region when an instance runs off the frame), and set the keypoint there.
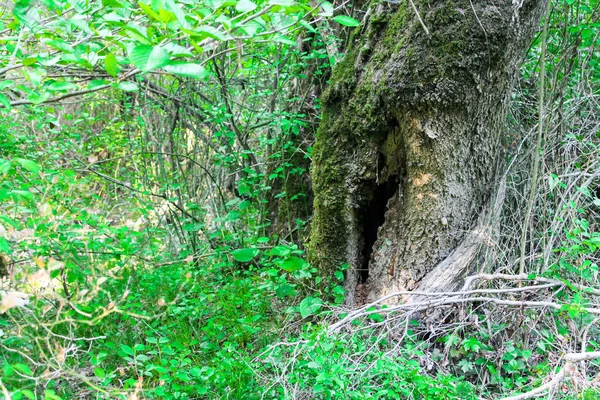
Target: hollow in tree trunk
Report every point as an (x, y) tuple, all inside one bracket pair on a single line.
[(411, 137)]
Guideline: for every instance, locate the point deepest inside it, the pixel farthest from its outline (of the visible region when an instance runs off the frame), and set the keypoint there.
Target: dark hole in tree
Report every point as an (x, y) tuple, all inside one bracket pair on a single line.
[(373, 216)]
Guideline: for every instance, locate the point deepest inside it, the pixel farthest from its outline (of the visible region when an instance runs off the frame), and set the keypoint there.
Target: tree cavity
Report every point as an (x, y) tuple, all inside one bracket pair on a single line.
[(371, 217)]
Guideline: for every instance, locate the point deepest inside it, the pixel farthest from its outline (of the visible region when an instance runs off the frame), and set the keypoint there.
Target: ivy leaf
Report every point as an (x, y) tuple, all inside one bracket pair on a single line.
[(189, 70), (345, 20), (309, 306), (147, 58), (244, 255)]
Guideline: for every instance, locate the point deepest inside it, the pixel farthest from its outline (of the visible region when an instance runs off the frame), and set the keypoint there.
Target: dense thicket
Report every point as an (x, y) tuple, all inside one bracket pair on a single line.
[(156, 200)]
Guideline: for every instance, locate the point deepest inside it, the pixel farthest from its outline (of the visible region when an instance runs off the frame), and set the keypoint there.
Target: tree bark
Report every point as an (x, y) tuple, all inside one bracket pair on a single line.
[(411, 137)]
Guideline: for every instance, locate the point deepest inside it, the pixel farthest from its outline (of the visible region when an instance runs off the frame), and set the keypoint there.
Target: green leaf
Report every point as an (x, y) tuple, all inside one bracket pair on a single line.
[(284, 290), (5, 102), (244, 255), (23, 368), (127, 350), (4, 245), (327, 8), (60, 45), (345, 20), (206, 30), (309, 306), (293, 264), (29, 61), (28, 164), (308, 26), (284, 39), (61, 86), (93, 84), (99, 372), (128, 86), (149, 11), (189, 70), (245, 5), (38, 98), (110, 64), (148, 58), (4, 166), (28, 393), (178, 12)]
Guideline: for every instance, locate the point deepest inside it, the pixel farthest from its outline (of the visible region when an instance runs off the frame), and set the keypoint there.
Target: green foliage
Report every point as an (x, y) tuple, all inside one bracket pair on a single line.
[(150, 233)]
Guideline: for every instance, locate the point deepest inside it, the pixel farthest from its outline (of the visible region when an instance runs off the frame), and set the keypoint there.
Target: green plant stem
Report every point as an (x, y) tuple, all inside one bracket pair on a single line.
[(538, 145)]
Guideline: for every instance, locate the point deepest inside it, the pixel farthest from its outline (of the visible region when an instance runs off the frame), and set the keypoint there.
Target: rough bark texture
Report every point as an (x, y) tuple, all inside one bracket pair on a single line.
[(411, 134)]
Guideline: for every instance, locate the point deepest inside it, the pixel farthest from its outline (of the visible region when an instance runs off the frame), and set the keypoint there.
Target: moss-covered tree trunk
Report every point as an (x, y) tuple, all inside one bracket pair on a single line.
[(410, 139)]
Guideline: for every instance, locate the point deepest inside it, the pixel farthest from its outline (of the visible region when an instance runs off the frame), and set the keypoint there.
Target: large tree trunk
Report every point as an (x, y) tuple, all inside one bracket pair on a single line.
[(411, 136)]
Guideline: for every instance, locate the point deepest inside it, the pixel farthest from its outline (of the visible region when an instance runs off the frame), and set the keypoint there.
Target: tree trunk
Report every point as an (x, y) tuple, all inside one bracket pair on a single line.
[(411, 137)]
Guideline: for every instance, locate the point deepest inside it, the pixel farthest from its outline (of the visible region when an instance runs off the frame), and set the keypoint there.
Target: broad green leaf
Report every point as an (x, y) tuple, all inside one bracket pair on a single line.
[(4, 166), (28, 164), (60, 45), (345, 20), (110, 64), (244, 255), (149, 11), (97, 83), (284, 3), (61, 86), (4, 245), (99, 372), (111, 3), (5, 102), (23, 368), (6, 84), (284, 39), (309, 306), (245, 5), (22, 195), (29, 61), (189, 70), (177, 10), (148, 58), (166, 16), (128, 86), (308, 26), (327, 8), (293, 264), (212, 32), (38, 98), (134, 32), (177, 51), (127, 350)]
